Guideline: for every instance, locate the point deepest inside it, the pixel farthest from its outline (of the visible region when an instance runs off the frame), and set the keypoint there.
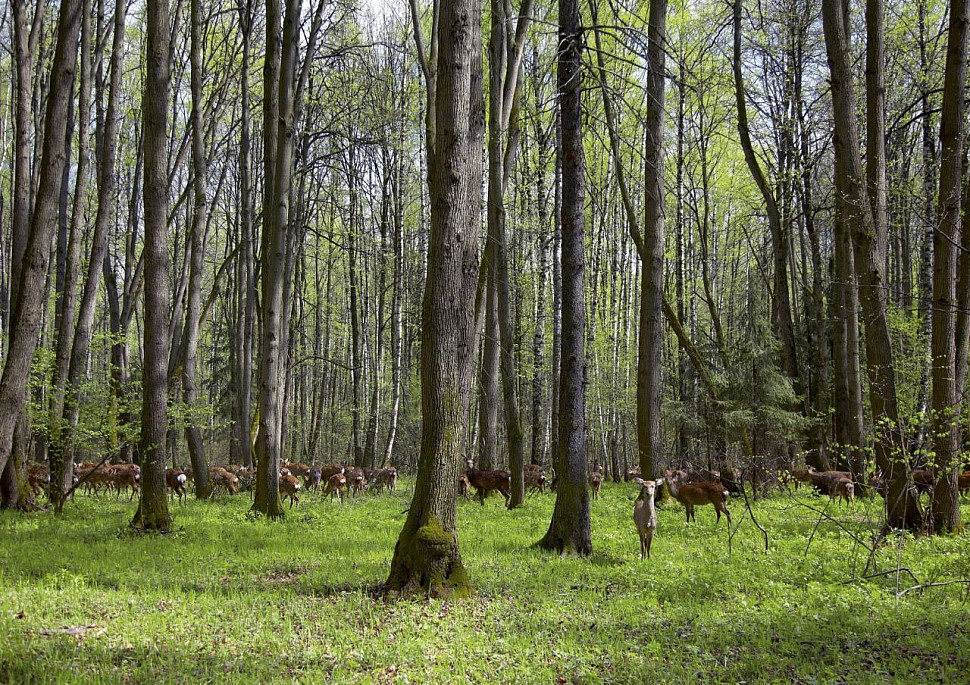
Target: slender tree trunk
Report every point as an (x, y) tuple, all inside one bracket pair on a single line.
[(279, 92), (245, 277), (29, 288), (190, 348), (152, 513), (60, 451), (569, 529), (651, 274)]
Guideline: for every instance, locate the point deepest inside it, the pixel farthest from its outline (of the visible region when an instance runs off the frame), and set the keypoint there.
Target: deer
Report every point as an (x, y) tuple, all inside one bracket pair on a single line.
[(290, 487), (385, 478), (175, 480), (222, 478), (595, 482), (125, 476), (335, 486), (644, 513), (534, 477), (296, 468), (486, 481), (698, 494), (313, 479), (355, 480)]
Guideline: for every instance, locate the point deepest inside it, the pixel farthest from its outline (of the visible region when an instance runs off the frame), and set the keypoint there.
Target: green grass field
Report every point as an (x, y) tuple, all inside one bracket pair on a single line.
[(228, 599)]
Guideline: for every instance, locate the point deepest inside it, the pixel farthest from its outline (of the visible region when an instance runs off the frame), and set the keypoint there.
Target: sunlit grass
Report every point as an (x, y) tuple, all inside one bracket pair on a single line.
[(225, 598)]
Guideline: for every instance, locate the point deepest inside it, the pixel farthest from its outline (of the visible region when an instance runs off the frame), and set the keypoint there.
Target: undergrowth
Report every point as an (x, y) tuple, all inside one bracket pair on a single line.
[(82, 599)]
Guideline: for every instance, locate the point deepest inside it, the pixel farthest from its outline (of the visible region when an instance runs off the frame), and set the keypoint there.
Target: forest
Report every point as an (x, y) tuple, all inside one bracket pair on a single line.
[(295, 294)]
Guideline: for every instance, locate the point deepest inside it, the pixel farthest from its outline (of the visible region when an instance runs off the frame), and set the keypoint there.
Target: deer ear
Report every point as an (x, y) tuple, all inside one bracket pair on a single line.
[(638, 481)]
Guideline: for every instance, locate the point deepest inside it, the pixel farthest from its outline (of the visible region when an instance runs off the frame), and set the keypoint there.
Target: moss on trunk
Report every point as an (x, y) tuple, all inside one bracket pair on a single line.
[(427, 561)]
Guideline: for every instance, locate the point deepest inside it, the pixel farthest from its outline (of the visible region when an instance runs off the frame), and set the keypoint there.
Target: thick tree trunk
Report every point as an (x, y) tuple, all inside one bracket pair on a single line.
[(946, 402), (426, 557), (152, 513), (569, 530)]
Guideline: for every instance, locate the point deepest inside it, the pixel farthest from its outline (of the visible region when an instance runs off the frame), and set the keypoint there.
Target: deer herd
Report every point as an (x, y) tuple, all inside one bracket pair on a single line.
[(690, 487)]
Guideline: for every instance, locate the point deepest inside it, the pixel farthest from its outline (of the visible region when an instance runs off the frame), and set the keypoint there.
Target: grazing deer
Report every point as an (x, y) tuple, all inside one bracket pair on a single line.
[(335, 486), (220, 477), (290, 487), (486, 481), (175, 480), (698, 494), (644, 513)]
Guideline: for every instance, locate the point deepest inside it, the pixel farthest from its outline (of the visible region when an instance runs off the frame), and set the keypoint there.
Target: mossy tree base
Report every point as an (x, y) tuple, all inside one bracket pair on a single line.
[(149, 518), (427, 562)]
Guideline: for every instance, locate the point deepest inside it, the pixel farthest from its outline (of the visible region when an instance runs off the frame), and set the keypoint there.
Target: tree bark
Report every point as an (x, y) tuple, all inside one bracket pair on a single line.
[(902, 508), (29, 288), (946, 238), (569, 529), (426, 557), (152, 513)]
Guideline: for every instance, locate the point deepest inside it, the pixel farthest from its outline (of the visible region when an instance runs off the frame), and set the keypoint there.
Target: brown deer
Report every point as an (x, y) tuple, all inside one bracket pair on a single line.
[(355, 480), (175, 480), (595, 483), (297, 469), (335, 486), (534, 477), (290, 487), (222, 478), (698, 494), (844, 489), (645, 515), (486, 481), (385, 478)]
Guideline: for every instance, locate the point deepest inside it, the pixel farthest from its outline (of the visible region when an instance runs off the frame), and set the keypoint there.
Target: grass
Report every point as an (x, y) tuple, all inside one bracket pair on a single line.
[(227, 599)]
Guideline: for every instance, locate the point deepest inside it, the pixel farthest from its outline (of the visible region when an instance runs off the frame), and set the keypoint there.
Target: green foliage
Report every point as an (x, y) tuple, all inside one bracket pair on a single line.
[(227, 599)]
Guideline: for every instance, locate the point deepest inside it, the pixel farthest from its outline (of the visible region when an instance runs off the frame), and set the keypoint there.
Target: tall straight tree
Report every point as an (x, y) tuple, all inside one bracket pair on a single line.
[(426, 557), (279, 85), (652, 253), (152, 513), (946, 402), (505, 49), (28, 291), (569, 529), (190, 343), (902, 508)]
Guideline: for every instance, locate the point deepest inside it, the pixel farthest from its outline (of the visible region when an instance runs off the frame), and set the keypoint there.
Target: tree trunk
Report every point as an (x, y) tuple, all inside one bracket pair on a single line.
[(29, 289), (152, 513), (946, 238), (279, 87), (902, 508), (243, 452), (190, 348), (426, 557), (651, 273), (569, 530)]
